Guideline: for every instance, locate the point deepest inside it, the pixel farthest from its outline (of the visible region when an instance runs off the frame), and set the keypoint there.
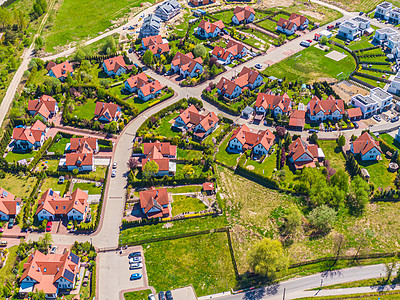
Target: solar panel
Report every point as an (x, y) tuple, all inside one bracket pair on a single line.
[(69, 275), (74, 258)]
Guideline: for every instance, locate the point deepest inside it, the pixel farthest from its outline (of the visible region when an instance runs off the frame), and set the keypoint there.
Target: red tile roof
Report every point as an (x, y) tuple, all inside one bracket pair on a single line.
[(210, 27), (365, 143), (243, 13), (152, 40), (43, 106), (251, 74), (8, 202), (354, 112), (328, 106), (138, 80), (297, 19), (226, 86), (186, 61), (208, 186), (159, 49), (102, 108), (271, 101), (164, 148), (163, 163), (114, 63), (299, 147), (250, 139), (32, 134), (154, 198), (151, 88), (57, 205), (79, 159), (83, 145), (61, 70), (297, 118)]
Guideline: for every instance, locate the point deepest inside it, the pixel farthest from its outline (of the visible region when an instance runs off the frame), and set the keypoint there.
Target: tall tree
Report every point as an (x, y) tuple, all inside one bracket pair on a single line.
[(148, 57), (341, 141), (359, 196), (322, 218), (150, 169)]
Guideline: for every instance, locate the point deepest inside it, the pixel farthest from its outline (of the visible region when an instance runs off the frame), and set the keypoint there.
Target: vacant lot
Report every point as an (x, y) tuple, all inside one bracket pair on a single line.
[(311, 64), (203, 261), (333, 154), (52, 183), (183, 203), (20, 186), (85, 111), (364, 5)]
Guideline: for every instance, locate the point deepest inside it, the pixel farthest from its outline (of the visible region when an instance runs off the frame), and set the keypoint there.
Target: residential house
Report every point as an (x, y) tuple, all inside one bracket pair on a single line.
[(229, 89), (321, 110), (166, 167), (156, 44), (394, 16), (150, 90), (61, 71), (50, 273), (200, 2), (187, 65), (208, 188), (200, 124), (167, 10), (161, 154), (355, 27), (151, 26), (382, 35), (114, 66), (354, 114), (302, 154), (243, 15), (233, 50), (155, 203), (73, 206), (377, 101), (29, 138), (382, 10), (45, 107), (253, 77), (84, 162), (9, 205), (107, 112), (133, 83), (165, 149), (297, 119), (300, 21), (393, 42), (366, 147), (247, 79), (394, 86), (286, 26), (243, 138), (82, 145), (207, 29), (274, 103)]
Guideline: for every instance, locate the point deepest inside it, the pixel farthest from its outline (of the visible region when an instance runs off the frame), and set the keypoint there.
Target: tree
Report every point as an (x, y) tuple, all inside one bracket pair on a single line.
[(339, 242), (280, 131), (39, 295), (188, 171), (109, 42), (150, 169), (282, 38), (341, 141), (292, 222), (341, 180), (200, 51), (322, 218), (267, 257), (5, 17), (314, 138), (133, 163), (148, 57), (288, 141), (324, 40), (359, 196)]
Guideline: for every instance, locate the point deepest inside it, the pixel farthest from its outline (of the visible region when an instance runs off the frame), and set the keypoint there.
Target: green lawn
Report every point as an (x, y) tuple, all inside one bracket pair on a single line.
[(390, 140), (378, 170), (52, 182), (181, 28), (141, 105), (91, 187), (17, 185), (76, 20), (268, 25), (48, 164), (229, 159), (388, 295), (138, 295), (311, 64), (182, 203), (59, 147), (5, 272), (12, 157), (371, 81), (85, 111), (333, 154), (165, 126), (203, 261), (185, 189), (189, 154)]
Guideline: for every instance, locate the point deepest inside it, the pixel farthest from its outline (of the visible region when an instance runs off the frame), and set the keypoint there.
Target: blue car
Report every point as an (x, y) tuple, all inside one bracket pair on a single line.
[(136, 276), (313, 130)]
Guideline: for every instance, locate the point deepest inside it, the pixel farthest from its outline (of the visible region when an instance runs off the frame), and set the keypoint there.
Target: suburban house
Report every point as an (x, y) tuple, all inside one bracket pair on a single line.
[(233, 50), (229, 89), (394, 16), (355, 27), (382, 10), (321, 110), (155, 203), (9, 205), (161, 154), (200, 124), (366, 146), (151, 26), (107, 112), (300, 21), (247, 79), (150, 90), (156, 44), (133, 83), (297, 119), (354, 114), (209, 188), (393, 42), (377, 101), (167, 10), (166, 167), (274, 103), (253, 77), (82, 145), (302, 154), (200, 2), (187, 65), (84, 162), (295, 22), (207, 29), (73, 206), (61, 71), (115, 66), (243, 138), (29, 138), (382, 35), (394, 86), (243, 15), (45, 107), (50, 273)]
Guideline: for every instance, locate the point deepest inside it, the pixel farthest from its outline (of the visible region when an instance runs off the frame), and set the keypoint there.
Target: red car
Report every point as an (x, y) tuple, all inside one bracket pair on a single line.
[(330, 27), (310, 41), (49, 225)]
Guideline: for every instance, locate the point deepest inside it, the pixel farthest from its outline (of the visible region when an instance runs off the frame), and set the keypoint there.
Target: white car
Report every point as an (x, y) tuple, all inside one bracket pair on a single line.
[(113, 173), (258, 66), (135, 259), (114, 165), (135, 265), (53, 250)]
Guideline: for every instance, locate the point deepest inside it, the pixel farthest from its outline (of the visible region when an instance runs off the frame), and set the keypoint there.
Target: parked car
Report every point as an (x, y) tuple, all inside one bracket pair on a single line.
[(130, 50), (11, 223), (377, 118), (114, 165), (394, 119), (133, 254), (313, 130), (356, 125), (361, 13), (88, 218), (258, 66), (113, 173), (134, 266), (1, 229), (135, 259), (305, 44), (168, 295), (53, 249), (3, 243), (338, 24), (135, 276), (61, 179), (152, 297), (330, 27), (70, 225), (49, 225), (310, 41), (161, 296)]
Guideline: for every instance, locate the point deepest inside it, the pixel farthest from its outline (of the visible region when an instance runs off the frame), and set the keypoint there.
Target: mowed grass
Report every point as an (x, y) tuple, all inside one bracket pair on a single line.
[(76, 20), (203, 261), (311, 64), (59, 147), (12, 157), (225, 157), (390, 140), (378, 170), (138, 295), (333, 154), (183, 203), (369, 296), (20, 186), (85, 111), (5, 271), (165, 126), (189, 154), (88, 186), (52, 183), (364, 5), (185, 189)]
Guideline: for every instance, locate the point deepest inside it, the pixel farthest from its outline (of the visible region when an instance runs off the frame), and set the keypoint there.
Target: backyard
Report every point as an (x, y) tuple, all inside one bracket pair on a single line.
[(378, 170), (91, 187), (58, 147), (223, 156), (13, 157), (183, 203), (333, 154), (20, 186), (85, 111), (52, 183), (185, 189)]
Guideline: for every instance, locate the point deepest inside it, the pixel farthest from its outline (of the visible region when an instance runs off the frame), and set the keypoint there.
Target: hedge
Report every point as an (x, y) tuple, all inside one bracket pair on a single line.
[(384, 63), (5, 140), (261, 179), (181, 143), (379, 70), (93, 282), (366, 49), (220, 105), (371, 77), (39, 153)]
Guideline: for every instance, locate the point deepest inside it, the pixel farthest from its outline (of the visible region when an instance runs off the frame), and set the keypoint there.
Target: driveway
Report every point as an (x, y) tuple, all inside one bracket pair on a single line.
[(101, 161)]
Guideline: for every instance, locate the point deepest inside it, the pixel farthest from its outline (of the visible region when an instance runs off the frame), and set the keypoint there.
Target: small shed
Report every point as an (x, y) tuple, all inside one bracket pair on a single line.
[(326, 33), (208, 187), (393, 167), (365, 173), (247, 112)]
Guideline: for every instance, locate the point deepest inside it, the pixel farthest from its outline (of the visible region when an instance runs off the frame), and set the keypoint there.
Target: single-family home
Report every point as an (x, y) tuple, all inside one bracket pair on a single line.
[(355, 27), (50, 273), (394, 15), (382, 10), (377, 101), (209, 188), (354, 114), (107, 112), (297, 119), (83, 162), (393, 42), (133, 83), (29, 138), (166, 167), (115, 66), (394, 86), (200, 2), (382, 35), (243, 15), (275, 103), (200, 124), (243, 138), (286, 26), (45, 107), (151, 26), (302, 154), (229, 89), (167, 10), (73, 206), (150, 90), (366, 146), (61, 71), (187, 65), (252, 77), (156, 44), (82, 145), (159, 149), (330, 109), (233, 50), (10, 206), (155, 203), (207, 29), (300, 21)]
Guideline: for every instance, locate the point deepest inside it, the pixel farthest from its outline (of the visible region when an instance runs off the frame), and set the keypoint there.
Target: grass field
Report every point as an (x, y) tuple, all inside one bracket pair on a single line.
[(364, 5), (76, 20), (91, 187), (390, 140), (203, 261), (333, 154), (185, 189), (5, 272), (12, 157), (189, 154), (311, 64), (268, 25), (165, 126), (139, 295), (182, 203), (52, 182), (59, 147), (378, 170), (85, 111), (391, 295), (48, 164), (229, 159), (17, 185)]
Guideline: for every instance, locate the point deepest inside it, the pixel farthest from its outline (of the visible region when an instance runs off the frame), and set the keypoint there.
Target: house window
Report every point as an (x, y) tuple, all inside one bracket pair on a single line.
[(371, 156), (56, 207), (63, 207)]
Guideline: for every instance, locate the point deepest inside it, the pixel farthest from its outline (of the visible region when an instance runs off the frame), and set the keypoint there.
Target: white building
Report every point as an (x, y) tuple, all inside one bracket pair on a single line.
[(382, 10), (377, 101), (168, 10), (355, 27), (394, 86)]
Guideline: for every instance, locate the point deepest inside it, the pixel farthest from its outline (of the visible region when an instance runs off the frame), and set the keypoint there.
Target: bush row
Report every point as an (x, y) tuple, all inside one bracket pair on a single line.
[(378, 70), (366, 49), (385, 63), (39, 153), (371, 77), (5, 140)]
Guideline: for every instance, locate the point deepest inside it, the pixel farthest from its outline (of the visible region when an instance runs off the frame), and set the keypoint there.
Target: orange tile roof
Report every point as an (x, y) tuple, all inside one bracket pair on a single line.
[(328, 106), (83, 145), (153, 198), (250, 139), (163, 163), (57, 205), (61, 70), (44, 105), (114, 63), (102, 108), (186, 61), (354, 112), (271, 101), (208, 186), (297, 118), (210, 27), (165, 148), (138, 80), (79, 159), (365, 143), (242, 13), (159, 49), (299, 147), (151, 88), (32, 134), (152, 40), (8, 202)]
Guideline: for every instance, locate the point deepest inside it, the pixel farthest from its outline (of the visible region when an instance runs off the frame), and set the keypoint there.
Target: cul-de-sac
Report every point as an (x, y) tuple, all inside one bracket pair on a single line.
[(199, 149)]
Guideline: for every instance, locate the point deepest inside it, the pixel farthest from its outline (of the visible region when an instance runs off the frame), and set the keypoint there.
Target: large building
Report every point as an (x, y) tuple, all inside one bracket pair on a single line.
[(366, 147), (167, 10), (151, 26), (321, 110), (376, 102)]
